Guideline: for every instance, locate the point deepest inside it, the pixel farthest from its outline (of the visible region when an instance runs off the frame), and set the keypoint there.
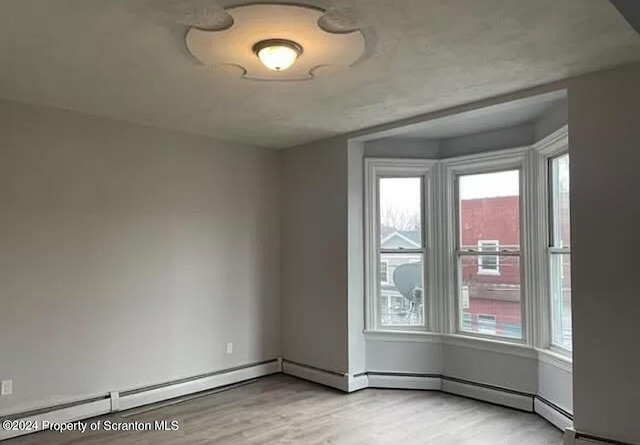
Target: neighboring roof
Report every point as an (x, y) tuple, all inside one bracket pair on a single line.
[(413, 235), (410, 238)]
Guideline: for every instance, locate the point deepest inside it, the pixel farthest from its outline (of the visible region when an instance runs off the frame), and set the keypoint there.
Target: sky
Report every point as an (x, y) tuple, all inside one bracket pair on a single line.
[(403, 194), (490, 185)]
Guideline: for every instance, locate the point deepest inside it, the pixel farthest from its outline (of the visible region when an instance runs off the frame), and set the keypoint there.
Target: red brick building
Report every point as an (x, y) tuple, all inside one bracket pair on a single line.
[(491, 284)]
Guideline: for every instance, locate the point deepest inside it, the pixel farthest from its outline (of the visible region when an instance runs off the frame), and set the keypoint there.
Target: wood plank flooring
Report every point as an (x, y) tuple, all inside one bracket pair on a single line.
[(284, 410)]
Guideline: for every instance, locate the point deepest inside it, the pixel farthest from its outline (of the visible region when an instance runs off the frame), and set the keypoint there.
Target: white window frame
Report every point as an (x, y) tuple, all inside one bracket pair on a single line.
[(376, 168), (503, 160), (481, 269), (551, 147), (554, 250)]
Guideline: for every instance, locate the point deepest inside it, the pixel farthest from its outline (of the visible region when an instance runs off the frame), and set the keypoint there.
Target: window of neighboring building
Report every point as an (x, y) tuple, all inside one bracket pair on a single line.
[(384, 272), (489, 284), (487, 324), (560, 251), (467, 321), (488, 264)]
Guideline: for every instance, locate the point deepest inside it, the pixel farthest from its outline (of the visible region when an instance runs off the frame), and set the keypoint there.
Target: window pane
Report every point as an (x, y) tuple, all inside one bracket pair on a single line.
[(490, 210), (560, 201), (400, 213), (561, 299), (490, 303), (401, 301)]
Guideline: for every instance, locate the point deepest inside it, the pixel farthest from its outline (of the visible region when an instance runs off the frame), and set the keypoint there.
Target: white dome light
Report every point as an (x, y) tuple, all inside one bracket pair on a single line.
[(277, 54)]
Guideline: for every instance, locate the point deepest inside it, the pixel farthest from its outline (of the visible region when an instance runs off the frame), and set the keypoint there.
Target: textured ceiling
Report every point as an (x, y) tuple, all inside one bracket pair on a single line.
[(127, 59)]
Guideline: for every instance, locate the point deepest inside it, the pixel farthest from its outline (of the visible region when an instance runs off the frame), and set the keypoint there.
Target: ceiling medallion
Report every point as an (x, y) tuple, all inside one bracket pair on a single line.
[(276, 42)]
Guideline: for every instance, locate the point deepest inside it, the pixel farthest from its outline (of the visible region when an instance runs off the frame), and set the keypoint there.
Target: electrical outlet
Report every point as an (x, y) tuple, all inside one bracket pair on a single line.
[(6, 388), (229, 348)]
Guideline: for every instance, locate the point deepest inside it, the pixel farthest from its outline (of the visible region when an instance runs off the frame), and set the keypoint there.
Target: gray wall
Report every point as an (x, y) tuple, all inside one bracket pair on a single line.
[(553, 119), (402, 148), (398, 356), (130, 255), (556, 385), (499, 369), (604, 132), (511, 137), (314, 255)]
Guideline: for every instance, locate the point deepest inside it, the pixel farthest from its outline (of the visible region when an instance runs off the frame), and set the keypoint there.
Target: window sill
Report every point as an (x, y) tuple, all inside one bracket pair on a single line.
[(494, 273), (553, 358), (404, 336)]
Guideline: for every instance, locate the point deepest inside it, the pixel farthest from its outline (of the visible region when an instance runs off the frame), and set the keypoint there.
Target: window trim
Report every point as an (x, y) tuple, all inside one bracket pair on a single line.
[(502, 160), (553, 248), (376, 168), (554, 145)]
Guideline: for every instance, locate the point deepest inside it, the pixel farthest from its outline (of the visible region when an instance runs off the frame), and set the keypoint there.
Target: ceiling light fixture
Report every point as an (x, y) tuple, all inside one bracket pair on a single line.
[(276, 41), (277, 54)]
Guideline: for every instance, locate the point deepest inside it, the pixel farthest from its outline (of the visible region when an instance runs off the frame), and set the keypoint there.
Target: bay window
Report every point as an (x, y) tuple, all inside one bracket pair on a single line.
[(476, 246)]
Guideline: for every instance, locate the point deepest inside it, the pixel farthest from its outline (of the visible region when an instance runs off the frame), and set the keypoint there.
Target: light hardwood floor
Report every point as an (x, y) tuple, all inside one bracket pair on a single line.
[(283, 410)]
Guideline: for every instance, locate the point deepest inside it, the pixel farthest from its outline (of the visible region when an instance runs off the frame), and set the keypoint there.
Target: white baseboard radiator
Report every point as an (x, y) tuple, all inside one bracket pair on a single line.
[(175, 391), (523, 401), (32, 421), (436, 382)]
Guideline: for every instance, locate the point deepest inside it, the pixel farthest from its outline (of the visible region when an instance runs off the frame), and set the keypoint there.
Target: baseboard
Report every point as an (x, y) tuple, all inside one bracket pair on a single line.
[(116, 401), (552, 413), (573, 437), (583, 441), (64, 415), (486, 393), (358, 382), (436, 382), (139, 397), (147, 396), (316, 375), (404, 381)]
